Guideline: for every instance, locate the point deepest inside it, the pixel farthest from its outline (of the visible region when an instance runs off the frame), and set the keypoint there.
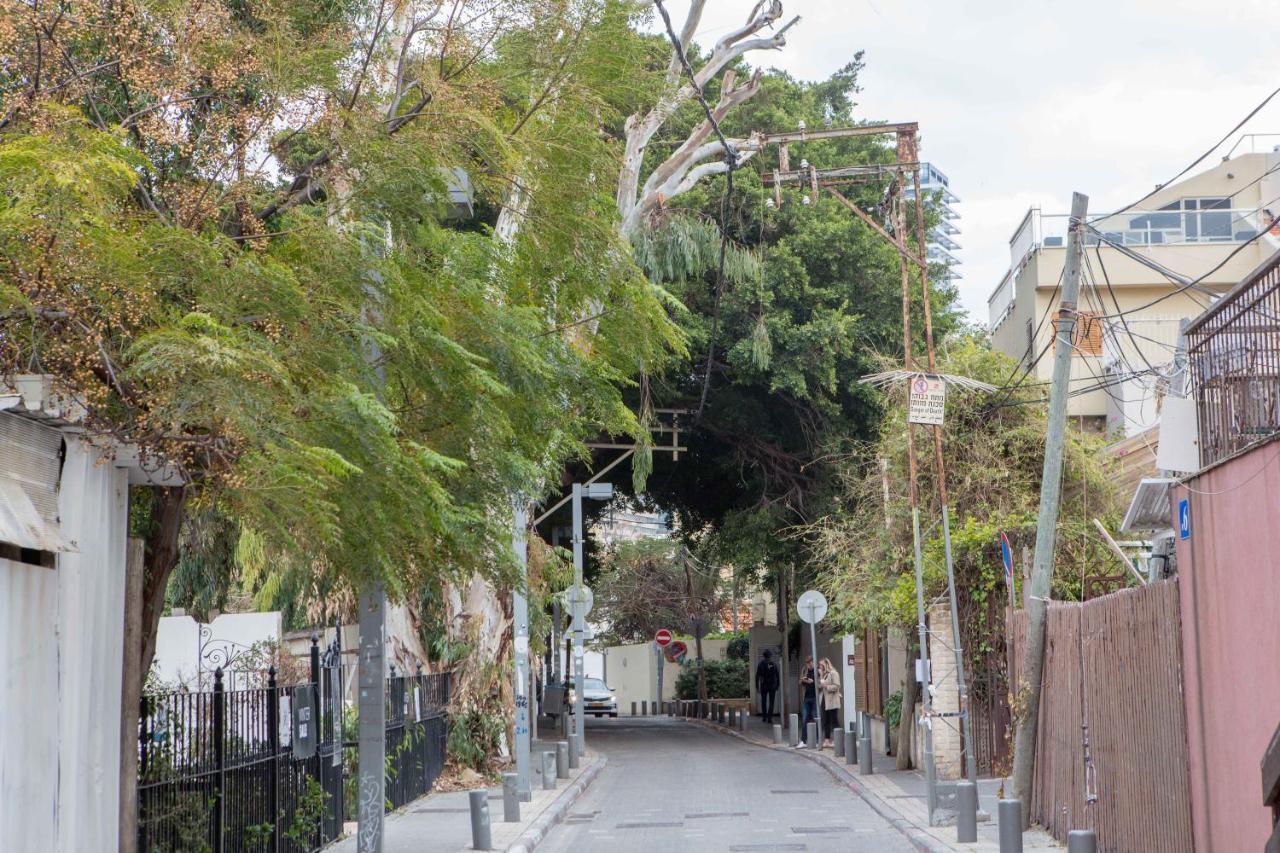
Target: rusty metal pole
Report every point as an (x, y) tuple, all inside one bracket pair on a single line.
[(900, 227), (966, 725)]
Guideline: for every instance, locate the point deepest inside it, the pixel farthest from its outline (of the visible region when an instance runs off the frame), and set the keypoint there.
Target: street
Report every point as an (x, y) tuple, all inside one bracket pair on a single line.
[(675, 786)]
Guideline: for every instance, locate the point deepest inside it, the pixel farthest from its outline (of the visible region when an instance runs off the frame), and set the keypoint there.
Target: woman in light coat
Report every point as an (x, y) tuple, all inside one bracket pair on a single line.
[(829, 681)]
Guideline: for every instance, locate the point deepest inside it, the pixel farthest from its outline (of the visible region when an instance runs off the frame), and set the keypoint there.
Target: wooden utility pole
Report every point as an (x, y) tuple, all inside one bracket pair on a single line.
[(1024, 754)]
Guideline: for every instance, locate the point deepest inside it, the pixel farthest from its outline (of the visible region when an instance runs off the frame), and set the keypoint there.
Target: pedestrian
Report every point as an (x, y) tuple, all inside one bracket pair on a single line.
[(829, 681), (767, 681), (809, 693)]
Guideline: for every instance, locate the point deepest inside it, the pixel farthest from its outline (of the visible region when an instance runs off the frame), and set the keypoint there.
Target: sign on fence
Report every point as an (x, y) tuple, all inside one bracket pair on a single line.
[(304, 722), (928, 400)]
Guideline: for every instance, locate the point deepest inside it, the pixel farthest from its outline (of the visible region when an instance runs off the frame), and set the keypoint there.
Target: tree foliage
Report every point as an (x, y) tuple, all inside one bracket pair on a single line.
[(649, 584)]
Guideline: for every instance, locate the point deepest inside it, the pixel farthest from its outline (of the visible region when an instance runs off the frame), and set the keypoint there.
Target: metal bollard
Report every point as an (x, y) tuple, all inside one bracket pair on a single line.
[(572, 747), (733, 718), (837, 743), (644, 707), (850, 747), (549, 770), (510, 798), (793, 733), (1009, 813), (1082, 841), (966, 812), (777, 732), (865, 765), (481, 839), (742, 721), (562, 760), (811, 735), (633, 709)]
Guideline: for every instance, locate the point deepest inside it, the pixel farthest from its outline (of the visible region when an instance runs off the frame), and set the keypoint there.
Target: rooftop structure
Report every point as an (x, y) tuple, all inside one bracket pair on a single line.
[(1146, 271)]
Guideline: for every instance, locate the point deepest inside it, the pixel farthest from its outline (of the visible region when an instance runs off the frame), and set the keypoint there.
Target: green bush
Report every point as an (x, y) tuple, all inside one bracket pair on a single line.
[(726, 679), (893, 710), (739, 647)]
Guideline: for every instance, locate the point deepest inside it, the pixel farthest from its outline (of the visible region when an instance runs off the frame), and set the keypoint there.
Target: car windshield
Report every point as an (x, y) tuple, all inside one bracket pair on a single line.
[(595, 684)]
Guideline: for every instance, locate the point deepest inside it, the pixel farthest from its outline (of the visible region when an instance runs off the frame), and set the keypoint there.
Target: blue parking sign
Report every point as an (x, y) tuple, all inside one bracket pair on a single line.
[(1184, 519)]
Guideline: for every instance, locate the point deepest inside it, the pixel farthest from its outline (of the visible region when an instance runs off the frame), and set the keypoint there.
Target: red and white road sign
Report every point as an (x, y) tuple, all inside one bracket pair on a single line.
[(662, 637)]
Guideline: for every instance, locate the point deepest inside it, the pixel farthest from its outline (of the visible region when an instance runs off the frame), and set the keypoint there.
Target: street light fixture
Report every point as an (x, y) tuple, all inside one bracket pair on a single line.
[(598, 492)]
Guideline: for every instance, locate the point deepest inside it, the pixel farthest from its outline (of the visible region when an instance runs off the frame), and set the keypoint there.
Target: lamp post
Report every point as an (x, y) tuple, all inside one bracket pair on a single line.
[(599, 492)]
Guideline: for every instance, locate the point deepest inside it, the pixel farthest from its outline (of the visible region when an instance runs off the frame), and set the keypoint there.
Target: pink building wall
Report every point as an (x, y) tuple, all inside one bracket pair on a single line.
[(1229, 578)]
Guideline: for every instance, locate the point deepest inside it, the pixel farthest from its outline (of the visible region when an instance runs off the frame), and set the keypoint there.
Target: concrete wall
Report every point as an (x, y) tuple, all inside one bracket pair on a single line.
[(1229, 591), (184, 658)]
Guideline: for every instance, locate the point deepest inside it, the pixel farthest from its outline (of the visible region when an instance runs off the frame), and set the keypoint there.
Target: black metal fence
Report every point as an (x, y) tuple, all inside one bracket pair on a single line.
[(1234, 350), (220, 770)]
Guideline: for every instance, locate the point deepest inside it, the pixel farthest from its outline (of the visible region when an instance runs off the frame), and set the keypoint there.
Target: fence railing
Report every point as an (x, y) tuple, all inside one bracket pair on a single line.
[(1234, 352), (220, 770)]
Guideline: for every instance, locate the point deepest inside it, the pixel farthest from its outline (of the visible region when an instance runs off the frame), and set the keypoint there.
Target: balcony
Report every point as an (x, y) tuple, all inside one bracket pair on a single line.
[(1234, 351)]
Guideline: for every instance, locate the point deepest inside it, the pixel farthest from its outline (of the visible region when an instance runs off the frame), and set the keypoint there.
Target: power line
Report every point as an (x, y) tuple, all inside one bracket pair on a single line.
[(1202, 157)]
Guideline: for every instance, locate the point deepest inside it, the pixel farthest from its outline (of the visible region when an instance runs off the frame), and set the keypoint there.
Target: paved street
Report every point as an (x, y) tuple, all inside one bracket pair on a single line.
[(674, 786)]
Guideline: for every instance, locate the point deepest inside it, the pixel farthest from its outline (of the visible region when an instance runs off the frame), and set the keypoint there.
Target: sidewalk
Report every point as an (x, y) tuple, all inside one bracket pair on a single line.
[(441, 822), (901, 797)]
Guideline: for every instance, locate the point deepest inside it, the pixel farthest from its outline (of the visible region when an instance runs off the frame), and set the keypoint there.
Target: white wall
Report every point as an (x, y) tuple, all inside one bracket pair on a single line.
[(61, 653), (178, 645)]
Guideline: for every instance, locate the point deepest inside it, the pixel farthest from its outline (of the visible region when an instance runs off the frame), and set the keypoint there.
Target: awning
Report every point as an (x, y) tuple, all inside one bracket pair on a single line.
[(22, 525), (1149, 510)]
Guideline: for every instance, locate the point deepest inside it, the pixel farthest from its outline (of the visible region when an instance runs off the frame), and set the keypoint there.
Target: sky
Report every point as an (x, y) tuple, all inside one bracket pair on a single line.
[(1022, 102)]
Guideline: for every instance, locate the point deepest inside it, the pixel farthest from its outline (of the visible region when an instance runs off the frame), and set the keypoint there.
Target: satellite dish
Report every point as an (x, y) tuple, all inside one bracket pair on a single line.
[(812, 606)]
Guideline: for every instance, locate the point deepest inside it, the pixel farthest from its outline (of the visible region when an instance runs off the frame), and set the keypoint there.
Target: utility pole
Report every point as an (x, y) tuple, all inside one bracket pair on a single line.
[(579, 677), (966, 724), (1024, 755), (520, 627)]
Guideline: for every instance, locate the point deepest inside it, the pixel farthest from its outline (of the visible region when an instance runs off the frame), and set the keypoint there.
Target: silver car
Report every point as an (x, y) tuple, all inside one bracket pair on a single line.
[(600, 700)]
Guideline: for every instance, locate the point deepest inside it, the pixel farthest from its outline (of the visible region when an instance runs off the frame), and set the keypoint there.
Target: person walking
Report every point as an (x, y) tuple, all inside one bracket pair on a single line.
[(809, 694), (767, 681), (829, 682)]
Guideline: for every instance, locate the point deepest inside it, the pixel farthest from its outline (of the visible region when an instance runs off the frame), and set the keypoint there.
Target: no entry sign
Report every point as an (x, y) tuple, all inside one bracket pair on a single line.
[(662, 637)]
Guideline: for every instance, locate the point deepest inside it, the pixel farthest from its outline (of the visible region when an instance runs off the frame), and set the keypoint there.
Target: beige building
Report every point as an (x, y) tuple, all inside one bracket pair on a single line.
[(1191, 228)]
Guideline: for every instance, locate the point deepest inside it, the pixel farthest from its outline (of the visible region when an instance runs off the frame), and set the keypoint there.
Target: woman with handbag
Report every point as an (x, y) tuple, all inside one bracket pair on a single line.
[(829, 681)]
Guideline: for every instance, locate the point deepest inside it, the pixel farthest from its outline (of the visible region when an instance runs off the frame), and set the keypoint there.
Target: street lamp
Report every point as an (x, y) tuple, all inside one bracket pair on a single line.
[(596, 492)]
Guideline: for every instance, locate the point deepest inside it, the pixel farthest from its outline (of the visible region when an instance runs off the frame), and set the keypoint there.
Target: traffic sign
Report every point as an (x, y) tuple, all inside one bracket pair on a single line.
[(662, 637), (1006, 557), (812, 606), (1184, 519), (676, 652), (588, 598)]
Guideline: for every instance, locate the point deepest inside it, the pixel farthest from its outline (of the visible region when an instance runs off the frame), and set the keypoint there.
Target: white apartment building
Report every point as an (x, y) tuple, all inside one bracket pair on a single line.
[(1130, 312)]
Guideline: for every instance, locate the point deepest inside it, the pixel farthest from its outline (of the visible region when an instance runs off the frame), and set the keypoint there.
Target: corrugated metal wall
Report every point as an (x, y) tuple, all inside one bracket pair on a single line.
[(1115, 663)]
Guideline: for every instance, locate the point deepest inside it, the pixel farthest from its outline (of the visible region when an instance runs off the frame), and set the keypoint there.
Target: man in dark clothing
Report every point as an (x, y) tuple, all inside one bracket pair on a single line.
[(767, 681)]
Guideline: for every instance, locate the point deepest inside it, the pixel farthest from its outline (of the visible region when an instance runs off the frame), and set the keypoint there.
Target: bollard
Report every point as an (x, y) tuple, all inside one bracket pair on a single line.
[(644, 707), (480, 836), (1009, 813), (966, 812), (742, 721), (572, 748), (850, 747), (633, 709), (793, 733), (549, 771), (733, 718), (811, 735), (510, 798), (1082, 841), (865, 765), (565, 722), (562, 760), (837, 743), (777, 732)]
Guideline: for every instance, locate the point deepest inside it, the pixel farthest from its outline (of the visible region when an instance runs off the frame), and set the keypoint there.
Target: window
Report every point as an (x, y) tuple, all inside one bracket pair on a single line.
[(1088, 336), (1188, 220)]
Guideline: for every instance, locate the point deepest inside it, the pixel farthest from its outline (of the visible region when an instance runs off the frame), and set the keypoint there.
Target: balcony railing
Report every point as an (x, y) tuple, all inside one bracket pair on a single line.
[(1234, 350), (1157, 227)]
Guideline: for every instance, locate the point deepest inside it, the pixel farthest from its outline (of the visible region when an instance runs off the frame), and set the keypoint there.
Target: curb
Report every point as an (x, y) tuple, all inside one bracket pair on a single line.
[(920, 840), (554, 813)]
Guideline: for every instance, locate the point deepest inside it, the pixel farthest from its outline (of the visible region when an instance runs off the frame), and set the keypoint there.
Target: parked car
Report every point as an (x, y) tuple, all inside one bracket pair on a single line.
[(600, 698)]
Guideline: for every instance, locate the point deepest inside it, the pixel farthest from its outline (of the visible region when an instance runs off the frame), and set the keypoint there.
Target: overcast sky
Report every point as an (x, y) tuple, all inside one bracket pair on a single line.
[(1022, 102)]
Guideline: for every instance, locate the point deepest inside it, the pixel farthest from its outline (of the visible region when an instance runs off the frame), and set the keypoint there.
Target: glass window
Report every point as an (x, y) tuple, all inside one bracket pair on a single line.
[(594, 684)]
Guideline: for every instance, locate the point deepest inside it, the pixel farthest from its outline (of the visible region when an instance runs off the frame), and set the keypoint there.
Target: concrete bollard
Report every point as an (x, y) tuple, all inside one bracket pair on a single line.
[(481, 838), (837, 743), (865, 765), (562, 760), (1082, 841), (811, 735), (572, 747), (549, 770), (777, 732), (850, 747), (793, 732), (1009, 813), (966, 812), (633, 709), (510, 798)]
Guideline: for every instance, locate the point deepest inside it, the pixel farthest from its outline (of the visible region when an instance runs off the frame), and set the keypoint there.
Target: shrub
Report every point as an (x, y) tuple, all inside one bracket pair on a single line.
[(739, 647), (726, 679)]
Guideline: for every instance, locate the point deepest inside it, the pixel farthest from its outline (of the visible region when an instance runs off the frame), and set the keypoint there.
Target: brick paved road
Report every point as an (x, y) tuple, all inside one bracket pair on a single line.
[(672, 786)]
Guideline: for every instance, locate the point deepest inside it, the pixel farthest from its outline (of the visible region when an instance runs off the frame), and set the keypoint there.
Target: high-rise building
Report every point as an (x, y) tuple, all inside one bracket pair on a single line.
[(941, 238)]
